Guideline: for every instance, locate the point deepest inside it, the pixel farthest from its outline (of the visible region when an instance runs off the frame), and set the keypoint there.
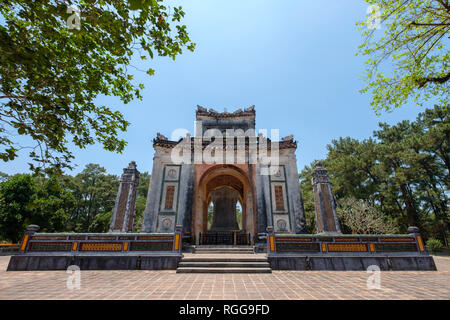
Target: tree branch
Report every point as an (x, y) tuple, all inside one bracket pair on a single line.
[(423, 81)]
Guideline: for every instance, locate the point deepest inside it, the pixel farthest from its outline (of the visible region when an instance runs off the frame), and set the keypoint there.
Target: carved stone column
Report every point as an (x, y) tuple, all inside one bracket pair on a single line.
[(125, 208), (326, 216)]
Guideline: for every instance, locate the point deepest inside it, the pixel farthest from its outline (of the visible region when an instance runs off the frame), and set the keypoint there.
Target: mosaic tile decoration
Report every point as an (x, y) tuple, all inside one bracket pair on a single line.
[(151, 246), (395, 247), (155, 237), (170, 192), (77, 237), (295, 239), (48, 238), (279, 199), (369, 239), (397, 239), (127, 237), (50, 246), (102, 238), (349, 247), (101, 246), (346, 239), (298, 247)]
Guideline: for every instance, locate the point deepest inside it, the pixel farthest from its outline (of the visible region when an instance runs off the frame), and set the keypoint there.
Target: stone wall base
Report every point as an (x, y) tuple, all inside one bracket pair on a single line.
[(352, 263), (93, 262)]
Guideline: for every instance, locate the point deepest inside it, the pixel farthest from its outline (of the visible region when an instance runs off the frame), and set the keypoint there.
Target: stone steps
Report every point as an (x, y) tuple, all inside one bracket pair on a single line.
[(224, 270), (223, 264), (224, 250), (224, 260)]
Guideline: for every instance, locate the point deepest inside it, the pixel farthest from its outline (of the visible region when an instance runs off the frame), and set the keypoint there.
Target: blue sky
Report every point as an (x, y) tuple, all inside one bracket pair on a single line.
[(294, 60)]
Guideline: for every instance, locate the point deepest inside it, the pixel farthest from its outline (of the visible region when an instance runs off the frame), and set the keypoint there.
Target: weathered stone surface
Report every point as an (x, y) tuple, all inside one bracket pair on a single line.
[(325, 208), (352, 263), (93, 262), (124, 209)]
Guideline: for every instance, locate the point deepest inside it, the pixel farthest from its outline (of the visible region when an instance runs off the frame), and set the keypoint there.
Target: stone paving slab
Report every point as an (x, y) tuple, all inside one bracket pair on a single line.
[(280, 285)]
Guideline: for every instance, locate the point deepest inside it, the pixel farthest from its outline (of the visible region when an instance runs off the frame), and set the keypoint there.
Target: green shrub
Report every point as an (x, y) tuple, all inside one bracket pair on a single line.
[(434, 245)]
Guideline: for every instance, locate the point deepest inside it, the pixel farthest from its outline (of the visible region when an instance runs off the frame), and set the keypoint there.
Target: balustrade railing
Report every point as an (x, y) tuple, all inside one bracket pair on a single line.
[(324, 244), (232, 238)]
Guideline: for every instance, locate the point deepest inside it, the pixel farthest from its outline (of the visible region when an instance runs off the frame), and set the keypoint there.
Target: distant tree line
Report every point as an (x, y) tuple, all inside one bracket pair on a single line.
[(80, 203), (395, 179)]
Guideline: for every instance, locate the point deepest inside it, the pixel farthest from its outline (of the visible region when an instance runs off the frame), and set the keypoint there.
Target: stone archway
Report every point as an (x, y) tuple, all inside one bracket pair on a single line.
[(225, 184)]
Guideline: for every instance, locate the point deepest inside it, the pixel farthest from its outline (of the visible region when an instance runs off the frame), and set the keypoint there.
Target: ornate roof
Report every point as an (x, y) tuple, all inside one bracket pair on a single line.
[(285, 143), (163, 141), (250, 111)]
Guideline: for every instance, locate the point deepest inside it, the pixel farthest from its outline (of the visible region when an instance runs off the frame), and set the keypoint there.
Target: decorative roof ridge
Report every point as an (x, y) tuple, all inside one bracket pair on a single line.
[(284, 143), (250, 111)]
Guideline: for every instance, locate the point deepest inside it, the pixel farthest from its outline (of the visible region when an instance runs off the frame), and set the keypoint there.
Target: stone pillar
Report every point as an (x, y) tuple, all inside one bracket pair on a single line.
[(267, 191), (326, 216), (154, 195), (414, 231), (125, 208), (297, 212), (31, 229), (186, 195)]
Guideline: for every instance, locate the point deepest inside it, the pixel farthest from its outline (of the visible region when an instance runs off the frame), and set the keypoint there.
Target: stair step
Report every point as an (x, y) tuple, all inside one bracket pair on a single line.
[(222, 246), (228, 259), (224, 259), (223, 270), (223, 250), (216, 264)]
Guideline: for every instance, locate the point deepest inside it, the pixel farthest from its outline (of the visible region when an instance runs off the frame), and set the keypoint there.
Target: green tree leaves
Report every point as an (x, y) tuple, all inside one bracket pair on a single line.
[(414, 42), (16, 196), (50, 75), (80, 203)]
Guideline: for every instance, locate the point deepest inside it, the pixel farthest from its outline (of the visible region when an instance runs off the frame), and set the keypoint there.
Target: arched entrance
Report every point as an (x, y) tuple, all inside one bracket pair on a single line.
[(223, 186)]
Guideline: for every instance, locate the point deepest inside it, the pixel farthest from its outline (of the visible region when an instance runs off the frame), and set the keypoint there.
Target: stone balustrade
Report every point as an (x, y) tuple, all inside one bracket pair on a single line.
[(348, 252)]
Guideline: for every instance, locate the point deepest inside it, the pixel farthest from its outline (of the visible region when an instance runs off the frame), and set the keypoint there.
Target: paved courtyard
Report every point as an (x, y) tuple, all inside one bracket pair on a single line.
[(166, 285)]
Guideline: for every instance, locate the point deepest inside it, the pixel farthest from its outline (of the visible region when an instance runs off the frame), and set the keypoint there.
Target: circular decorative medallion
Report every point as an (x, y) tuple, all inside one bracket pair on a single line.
[(282, 224), (172, 174), (167, 223)]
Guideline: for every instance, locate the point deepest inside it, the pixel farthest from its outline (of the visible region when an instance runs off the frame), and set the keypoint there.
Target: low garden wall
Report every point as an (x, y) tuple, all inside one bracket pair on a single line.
[(98, 251), (348, 252), (8, 249)]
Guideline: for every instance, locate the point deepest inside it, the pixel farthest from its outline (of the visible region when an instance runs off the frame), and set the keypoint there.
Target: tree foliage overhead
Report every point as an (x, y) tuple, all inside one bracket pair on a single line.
[(415, 40), (52, 73)]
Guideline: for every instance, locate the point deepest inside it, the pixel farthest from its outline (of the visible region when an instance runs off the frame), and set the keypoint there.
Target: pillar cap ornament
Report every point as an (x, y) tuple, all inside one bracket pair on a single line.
[(33, 228), (132, 167), (320, 174), (413, 229)]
